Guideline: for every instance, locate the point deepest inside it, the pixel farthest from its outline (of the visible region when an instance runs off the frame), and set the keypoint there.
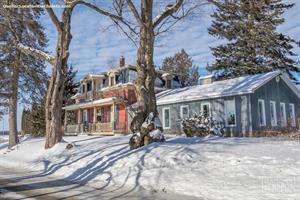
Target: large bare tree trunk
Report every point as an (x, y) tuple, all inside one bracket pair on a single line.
[(145, 69), (13, 104), (54, 98)]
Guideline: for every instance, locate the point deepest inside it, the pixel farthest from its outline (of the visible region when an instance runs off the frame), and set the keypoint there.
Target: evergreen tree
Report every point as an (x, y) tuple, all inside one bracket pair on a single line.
[(25, 123), (71, 86), (25, 73), (37, 118), (182, 65), (253, 44)]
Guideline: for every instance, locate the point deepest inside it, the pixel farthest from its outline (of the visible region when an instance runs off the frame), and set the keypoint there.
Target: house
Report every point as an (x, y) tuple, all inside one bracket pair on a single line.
[(102, 102), (246, 105)]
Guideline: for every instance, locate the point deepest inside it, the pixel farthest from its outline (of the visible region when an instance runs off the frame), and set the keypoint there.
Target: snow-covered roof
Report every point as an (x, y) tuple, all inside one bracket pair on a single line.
[(230, 87), (93, 103)]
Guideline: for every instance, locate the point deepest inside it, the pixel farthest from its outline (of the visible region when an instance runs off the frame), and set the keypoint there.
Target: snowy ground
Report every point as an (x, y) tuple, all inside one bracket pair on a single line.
[(210, 168)]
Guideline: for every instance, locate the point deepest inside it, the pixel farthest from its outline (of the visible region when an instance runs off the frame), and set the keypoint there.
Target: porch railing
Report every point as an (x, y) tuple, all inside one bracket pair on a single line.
[(74, 128), (104, 127), (97, 127)]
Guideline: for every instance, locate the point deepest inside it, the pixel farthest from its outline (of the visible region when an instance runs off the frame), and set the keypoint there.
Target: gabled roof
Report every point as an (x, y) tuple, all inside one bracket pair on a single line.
[(230, 87)]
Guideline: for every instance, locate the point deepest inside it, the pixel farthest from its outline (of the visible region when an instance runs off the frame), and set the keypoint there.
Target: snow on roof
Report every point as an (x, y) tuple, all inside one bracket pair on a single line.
[(235, 86), (93, 103)]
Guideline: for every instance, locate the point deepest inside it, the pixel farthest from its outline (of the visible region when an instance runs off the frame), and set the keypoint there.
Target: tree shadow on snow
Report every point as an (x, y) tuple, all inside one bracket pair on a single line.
[(81, 176)]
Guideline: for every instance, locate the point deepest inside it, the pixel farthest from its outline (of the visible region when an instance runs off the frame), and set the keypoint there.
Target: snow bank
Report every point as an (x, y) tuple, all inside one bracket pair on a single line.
[(209, 168)]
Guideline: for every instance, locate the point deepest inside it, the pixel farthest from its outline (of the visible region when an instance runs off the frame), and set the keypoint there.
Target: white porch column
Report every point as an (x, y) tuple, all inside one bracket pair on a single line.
[(113, 110), (95, 119), (79, 120), (65, 122), (79, 117)]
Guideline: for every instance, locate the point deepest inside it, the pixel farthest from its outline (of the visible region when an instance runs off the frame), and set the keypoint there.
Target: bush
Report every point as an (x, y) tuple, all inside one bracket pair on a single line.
[(201, 125)]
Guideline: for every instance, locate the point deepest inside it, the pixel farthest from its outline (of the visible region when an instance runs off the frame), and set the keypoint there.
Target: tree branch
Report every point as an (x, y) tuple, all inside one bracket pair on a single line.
[(108, 14), (52, 15), (135, 12), (169, 11), (35, 52), (101, 11)]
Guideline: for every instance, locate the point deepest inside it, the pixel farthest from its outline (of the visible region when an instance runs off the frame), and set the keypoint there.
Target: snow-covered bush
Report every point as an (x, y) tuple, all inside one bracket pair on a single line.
[(151, 131), (201, 125)]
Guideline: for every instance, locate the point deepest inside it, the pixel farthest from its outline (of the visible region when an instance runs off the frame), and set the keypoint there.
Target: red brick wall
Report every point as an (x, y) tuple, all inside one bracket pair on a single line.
[(126, 93)]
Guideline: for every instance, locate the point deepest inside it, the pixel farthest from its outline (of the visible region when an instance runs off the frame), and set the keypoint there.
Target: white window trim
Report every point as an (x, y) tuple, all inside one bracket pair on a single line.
[(225, 109), (209, 107), (263, 112), (163, 114), (273, 104), (293, 115), (284, 115), (181, 108)]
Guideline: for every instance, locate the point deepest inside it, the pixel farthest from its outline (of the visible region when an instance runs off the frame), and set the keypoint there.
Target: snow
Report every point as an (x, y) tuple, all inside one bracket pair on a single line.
[(156, 134), (208, 168), (36, 51), (235, 86)]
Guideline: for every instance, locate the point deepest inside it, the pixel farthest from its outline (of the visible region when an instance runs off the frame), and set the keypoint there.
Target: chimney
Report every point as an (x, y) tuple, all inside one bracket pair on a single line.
[(122, 61), (203, 80)]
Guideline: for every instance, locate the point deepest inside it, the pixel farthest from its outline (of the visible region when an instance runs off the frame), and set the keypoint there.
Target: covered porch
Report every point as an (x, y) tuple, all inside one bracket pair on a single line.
[(105, 117)]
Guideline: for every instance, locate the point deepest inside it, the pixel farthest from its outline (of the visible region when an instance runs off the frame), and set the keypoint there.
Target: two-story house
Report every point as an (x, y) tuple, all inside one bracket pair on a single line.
[(102, 102)]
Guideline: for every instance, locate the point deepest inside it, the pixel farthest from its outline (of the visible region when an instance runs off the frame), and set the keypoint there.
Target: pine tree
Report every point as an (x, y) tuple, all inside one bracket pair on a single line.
[(25, 123), (37, 118), (71, 86), (25, 73), (252, 43), (182, 65)]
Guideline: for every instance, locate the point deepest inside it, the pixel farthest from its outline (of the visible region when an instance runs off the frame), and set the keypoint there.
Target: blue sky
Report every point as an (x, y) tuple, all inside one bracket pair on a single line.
[(93, 46)]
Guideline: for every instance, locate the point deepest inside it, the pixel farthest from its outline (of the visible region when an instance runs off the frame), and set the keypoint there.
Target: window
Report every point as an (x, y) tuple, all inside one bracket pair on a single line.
[(166, 118), (99, 114), (273, 113), (99, 86), (292, 115), (169, 84), (282, 114), (205, 109), (89, 86), (112, 81), (83, 88), (184, 112), (230, 115), (261, 112)]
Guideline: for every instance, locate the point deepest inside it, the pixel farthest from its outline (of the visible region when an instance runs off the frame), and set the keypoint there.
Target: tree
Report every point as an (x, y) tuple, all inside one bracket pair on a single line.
[(71, 86), (253, 44), (37, 118), (25, 123), (182, 65), (54, 98), (23, 72), (146, 28)]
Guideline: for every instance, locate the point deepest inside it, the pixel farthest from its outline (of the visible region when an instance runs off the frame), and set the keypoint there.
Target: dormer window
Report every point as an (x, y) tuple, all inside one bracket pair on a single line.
[(169, 84), (89, 86), (83, 88), (112, 81)]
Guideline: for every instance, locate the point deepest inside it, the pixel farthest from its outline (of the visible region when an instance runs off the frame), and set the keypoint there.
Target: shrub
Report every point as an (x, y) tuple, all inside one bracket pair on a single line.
[(201, 125)]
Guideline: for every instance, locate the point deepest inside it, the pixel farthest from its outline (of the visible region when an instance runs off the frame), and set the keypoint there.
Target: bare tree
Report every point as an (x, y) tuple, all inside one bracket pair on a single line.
[(146, 28), (59, 61)]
